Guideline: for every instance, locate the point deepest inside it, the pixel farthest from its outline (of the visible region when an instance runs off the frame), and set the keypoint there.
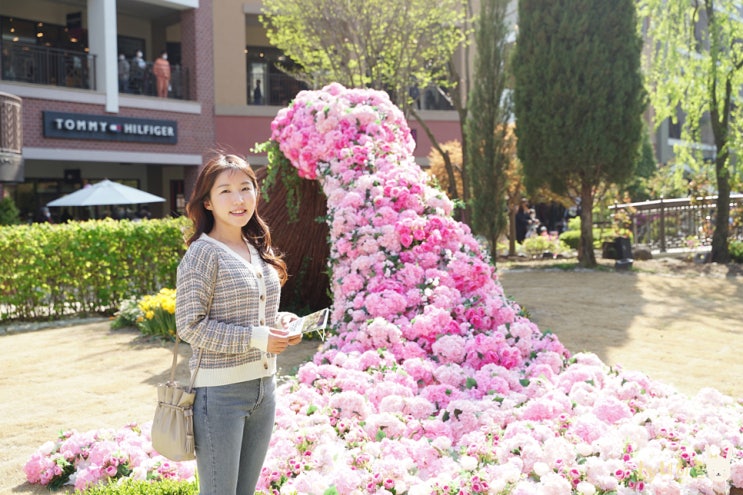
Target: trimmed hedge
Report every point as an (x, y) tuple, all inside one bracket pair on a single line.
[(736, 251), (48, 271), (132, 487)]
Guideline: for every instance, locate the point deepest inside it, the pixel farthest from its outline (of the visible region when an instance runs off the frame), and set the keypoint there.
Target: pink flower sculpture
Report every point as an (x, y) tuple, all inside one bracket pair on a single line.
[(435, 383)]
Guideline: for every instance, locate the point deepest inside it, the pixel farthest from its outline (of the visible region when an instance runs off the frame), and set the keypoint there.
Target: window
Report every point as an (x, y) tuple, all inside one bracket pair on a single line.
[(276, 87)]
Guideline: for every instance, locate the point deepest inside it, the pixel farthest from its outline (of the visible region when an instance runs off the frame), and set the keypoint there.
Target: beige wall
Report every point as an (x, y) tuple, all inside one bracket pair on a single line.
[(136, 28), (230, 73)]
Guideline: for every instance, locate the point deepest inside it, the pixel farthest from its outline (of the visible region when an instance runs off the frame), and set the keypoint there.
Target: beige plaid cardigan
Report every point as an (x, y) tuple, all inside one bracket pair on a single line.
[(225, 306)]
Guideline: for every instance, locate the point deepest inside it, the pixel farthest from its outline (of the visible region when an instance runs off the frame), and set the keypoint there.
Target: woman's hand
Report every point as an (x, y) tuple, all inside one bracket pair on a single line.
[(285, 320), (278, 340)]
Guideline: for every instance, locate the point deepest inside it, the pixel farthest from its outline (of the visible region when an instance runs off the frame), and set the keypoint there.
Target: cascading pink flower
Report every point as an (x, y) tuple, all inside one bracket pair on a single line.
[(433, 301)]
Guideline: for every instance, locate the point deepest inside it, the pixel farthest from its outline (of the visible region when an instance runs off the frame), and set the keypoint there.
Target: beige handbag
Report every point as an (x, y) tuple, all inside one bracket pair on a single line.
[(172, 428)]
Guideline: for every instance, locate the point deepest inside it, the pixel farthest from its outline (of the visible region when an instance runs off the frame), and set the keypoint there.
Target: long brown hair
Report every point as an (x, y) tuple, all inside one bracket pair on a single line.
[(256, 231)]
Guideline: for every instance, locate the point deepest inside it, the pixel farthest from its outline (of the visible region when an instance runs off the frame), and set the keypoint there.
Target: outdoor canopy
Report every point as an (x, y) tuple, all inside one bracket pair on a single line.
[(106, 192)]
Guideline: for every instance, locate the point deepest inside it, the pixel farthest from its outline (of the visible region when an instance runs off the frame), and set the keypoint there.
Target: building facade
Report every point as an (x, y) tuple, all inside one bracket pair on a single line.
[(85, 120), (244, 60)]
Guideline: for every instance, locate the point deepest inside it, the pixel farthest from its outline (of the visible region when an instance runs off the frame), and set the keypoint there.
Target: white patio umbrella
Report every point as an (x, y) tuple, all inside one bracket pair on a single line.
[(106, 192)]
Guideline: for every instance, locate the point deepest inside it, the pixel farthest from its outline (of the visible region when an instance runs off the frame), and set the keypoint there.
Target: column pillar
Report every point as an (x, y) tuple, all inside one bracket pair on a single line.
[(102, 41)]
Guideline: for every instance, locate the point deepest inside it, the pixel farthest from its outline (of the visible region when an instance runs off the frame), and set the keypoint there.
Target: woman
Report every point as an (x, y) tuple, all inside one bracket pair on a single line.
[(228, 288)]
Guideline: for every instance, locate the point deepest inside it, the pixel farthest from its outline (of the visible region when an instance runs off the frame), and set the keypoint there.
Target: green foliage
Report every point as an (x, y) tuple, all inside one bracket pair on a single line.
[(127, 315), (571, 238), (382, 44), (134, 487), (48, 271), (645, 168), (578, 98), (487, 129), (279, 167), (696, 73), (537, 245), (580, 52), (736, 251), (9, 214)]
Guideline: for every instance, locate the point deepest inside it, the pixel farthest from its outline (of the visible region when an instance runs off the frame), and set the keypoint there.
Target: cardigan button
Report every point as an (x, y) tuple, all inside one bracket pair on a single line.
[(263, 322), (260, 275), (263, 297)]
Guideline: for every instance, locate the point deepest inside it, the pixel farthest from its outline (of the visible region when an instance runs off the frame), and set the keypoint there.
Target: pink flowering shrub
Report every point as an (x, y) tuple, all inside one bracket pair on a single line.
[(85, 459)]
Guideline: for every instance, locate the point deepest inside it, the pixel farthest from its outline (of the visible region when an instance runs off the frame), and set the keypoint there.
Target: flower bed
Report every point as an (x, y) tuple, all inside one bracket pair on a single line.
[(86, 459)]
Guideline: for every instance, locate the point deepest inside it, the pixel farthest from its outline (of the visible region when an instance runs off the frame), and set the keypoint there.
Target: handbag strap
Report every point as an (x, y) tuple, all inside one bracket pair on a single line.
[(175, 363)]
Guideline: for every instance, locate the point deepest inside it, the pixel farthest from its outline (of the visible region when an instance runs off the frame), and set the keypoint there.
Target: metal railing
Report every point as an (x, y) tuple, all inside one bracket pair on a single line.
[(677, 223), (144, 82), (50, 66), (73, 69)]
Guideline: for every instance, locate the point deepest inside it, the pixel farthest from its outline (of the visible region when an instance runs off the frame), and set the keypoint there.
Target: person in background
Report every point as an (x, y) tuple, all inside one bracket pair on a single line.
[(228, 289), (138, 67), (124, 70), (257, 93), (161, 69), (44, 215), (144, 213), (523, 219)]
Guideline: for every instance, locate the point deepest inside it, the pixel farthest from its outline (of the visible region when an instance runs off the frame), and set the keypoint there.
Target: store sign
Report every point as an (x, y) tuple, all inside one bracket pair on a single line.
[(107, 128)]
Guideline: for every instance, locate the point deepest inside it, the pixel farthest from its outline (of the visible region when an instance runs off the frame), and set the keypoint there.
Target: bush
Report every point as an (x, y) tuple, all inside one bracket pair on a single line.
[(9, 214), (127, 315), (537, 245), (736, 251), (133, 487), (48, 271), (571, 238)]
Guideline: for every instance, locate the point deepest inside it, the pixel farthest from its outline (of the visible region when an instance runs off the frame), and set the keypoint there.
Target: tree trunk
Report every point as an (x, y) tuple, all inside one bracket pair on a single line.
[(720, 252), (586, 255), (511, 231), (453, 194)]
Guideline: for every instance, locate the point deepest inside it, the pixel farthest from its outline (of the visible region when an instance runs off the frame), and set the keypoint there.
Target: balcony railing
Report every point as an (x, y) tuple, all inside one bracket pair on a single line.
[(73, 69), (50, 66), (144, 82)]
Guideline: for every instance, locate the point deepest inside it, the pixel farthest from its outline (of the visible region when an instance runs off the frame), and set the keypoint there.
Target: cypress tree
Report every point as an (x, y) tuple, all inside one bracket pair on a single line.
[(487, 126), (579, 98)]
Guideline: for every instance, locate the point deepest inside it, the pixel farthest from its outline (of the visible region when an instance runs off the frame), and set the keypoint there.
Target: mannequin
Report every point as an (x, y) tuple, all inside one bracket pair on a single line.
[(161, 69)]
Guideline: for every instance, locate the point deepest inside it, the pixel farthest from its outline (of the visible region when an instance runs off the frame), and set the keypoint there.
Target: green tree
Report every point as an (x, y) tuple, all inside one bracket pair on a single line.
[(9, 214), (645, 168), (487, 126), (695, 67), (579, 99), (391, 45), (382, 44)]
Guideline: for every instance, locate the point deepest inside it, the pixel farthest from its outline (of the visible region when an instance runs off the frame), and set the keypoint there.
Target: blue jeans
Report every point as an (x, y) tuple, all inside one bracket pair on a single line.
[(232, 428)]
